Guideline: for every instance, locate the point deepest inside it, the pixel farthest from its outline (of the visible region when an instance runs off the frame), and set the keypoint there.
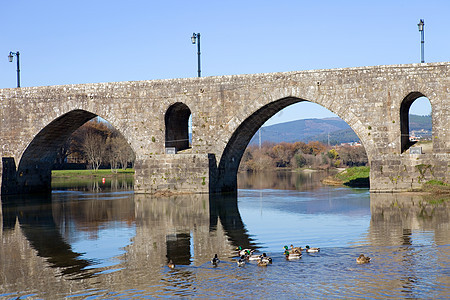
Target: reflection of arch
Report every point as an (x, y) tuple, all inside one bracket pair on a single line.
[(177, 122), (404, 119), (34, 171), (225, 209), (35, 216)]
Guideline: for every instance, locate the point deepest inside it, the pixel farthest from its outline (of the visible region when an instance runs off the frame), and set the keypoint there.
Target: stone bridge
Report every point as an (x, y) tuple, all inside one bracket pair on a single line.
[(226, 112)]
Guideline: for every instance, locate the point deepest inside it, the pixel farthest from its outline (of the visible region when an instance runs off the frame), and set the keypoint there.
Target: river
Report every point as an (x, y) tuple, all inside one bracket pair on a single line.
[(101, 241)]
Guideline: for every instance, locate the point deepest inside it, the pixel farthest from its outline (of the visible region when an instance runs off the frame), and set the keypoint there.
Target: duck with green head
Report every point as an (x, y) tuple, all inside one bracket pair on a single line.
[(243, 251), (311, 250), (250, 256)]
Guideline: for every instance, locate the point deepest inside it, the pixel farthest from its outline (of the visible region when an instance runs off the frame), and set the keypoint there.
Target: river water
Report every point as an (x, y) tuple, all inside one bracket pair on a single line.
[(101, 241)]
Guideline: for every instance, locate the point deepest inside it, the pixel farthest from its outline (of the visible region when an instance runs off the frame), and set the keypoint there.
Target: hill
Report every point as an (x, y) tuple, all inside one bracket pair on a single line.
[(332, 130)]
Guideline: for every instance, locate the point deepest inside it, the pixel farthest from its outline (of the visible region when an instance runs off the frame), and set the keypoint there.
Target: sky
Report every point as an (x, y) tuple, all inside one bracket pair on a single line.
[(70, 42)]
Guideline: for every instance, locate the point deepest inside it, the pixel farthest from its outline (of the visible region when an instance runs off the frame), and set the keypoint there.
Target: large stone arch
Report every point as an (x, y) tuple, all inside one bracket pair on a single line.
[(228, 165), (35, 165), (36, 162)]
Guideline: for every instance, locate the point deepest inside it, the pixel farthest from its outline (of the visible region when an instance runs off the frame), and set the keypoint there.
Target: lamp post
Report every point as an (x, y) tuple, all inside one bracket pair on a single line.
[(194, 40), (10, 58), (422, 42)]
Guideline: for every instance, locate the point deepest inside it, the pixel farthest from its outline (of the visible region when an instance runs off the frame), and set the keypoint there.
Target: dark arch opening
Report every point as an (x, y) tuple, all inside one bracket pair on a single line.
[(34, 170), (407, 141), (177, 126)]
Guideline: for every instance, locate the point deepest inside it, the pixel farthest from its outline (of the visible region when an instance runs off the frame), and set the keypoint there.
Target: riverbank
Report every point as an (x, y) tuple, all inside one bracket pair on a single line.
[(352, 177), (437, 187), (90, 173), (359, 177)]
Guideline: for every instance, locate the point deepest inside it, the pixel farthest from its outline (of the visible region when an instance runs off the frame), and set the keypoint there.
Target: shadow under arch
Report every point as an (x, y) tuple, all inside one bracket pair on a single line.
[(404, 119), (35, 166), (176, 121)]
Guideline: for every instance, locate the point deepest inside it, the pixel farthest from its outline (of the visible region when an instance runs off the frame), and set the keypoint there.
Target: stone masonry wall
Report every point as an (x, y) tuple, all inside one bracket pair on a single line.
[(177, 173), (367, 98)]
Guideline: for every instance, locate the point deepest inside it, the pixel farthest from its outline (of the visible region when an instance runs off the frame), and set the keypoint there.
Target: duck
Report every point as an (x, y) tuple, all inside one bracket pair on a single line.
[(171, 265), (309, 249), (250, 256), (262, 263), (290, 256), (241, 262), (362, 259), (215, 260), (265, 258), (243, 251), (294, 249)]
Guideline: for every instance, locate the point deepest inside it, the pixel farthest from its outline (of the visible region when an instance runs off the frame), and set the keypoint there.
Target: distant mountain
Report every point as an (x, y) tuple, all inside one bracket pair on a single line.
[(303, 130), (332, 130), (419, 123)]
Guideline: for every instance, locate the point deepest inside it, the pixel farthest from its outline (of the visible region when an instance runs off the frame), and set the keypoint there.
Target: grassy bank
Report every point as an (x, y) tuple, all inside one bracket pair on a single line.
[(352, 177), (436, 187), (91, 173)]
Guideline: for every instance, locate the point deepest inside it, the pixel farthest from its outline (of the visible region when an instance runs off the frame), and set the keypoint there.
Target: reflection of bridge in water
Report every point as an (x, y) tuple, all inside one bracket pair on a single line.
[(189, 229), (169, 228)]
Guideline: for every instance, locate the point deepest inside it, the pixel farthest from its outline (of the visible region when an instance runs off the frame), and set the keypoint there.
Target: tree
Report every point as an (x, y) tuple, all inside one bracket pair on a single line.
[(94, 148), (96, 143), (124, 151), (300, 160), (112, 153)]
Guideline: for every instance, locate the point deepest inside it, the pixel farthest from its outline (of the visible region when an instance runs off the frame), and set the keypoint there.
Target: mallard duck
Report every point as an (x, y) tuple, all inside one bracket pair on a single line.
[(243, 251), (294, 249), (215, 260), (262, 263), (290, 256), (309, 249), (250, 256), (265, 258), (362, 259), (171, 264), (241, 262)]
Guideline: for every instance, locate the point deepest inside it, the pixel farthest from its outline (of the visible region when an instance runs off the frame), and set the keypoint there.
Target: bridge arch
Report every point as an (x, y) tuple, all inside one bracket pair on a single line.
[(405, 107), (176, 122), (231, 156), (37, 161)]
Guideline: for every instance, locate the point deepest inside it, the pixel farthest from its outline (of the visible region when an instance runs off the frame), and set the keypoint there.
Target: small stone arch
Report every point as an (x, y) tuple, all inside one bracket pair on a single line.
[(405, 106), (176, 121)]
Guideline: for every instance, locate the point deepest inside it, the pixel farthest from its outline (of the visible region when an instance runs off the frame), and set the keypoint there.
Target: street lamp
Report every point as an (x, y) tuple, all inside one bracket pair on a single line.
[(422, 42), (194, 39), (10, 58)]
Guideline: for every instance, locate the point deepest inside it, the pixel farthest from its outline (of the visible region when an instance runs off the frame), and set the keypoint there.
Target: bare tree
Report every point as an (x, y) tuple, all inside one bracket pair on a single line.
[(94, 148), (63, 152), (112, 153), (125, 152)]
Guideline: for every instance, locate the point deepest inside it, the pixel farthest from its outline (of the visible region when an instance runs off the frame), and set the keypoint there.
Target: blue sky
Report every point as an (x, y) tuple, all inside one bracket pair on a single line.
[(65, 42)]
